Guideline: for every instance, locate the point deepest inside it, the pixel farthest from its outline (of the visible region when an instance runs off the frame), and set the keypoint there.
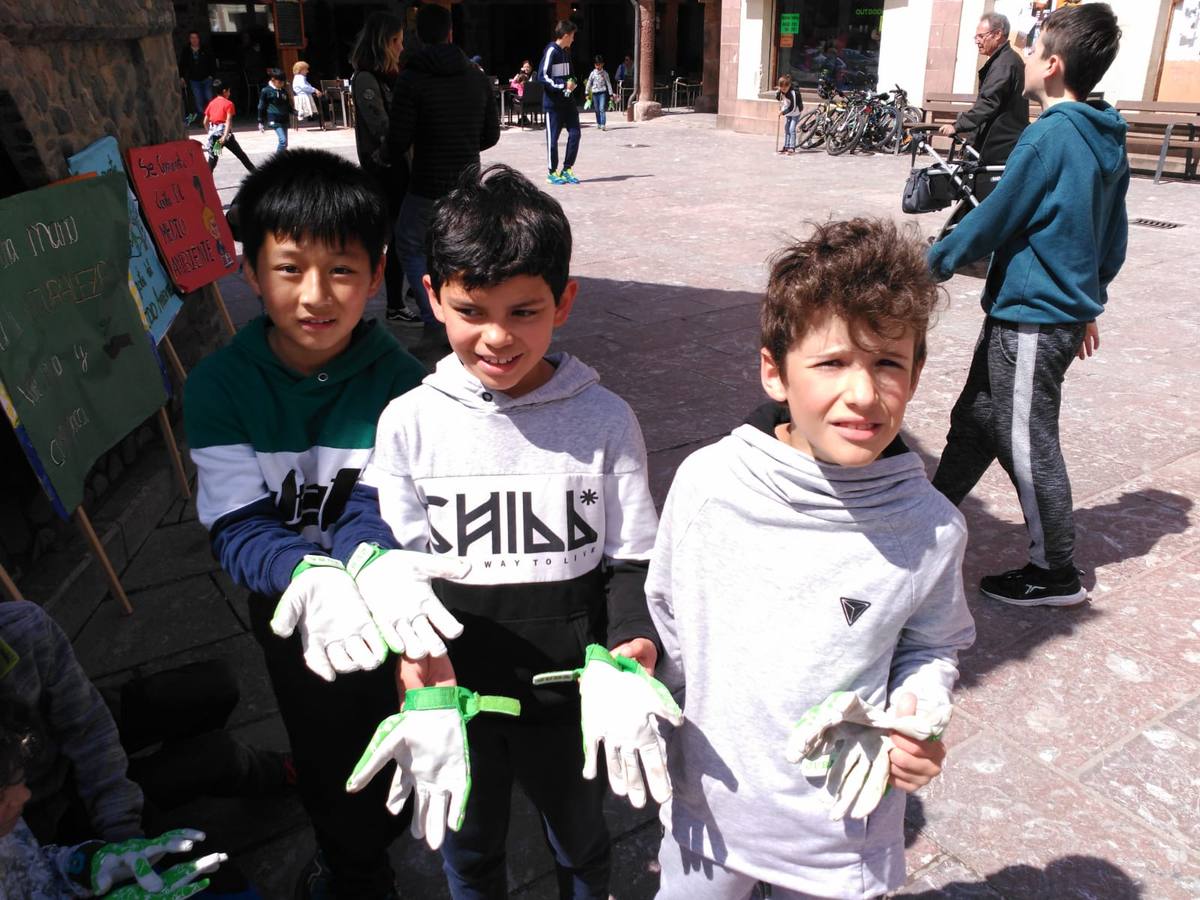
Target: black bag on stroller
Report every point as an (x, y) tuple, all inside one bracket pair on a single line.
[(927, 190)]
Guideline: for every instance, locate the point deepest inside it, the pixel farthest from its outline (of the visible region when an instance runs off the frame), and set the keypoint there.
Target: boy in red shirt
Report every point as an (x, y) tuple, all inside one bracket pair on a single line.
[(218, 119)]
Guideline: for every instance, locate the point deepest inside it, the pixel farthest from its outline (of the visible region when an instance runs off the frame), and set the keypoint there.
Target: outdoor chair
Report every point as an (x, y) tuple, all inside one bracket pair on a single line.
[(529, 107)]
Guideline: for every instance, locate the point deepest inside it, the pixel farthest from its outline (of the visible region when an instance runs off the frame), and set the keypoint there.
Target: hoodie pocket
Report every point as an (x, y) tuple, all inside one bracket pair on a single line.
[(514, 632)]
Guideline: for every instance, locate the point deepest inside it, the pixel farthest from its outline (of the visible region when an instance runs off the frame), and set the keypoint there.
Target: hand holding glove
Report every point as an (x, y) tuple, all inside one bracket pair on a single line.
[(395, 586), (428, 741), (620, 701), (844, 742), (97, 867), (336, 629)]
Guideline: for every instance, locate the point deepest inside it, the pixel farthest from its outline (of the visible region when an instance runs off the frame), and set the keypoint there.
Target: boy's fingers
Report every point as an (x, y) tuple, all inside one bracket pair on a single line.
[(616, 770), (428, 637), (318, 663), (634, 783), (339, 657), (435, 819), (287, 614), (591, 747), (658, 780), (442, 619), (452, 567), (906, 705)]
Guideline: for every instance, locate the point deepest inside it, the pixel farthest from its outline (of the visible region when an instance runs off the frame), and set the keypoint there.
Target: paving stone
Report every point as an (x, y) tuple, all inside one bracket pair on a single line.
[(1186, 718), (170, 553), (947, 879), (1069, 698), (166, 621), (1037, 834), (1155, 776), (237, 596)]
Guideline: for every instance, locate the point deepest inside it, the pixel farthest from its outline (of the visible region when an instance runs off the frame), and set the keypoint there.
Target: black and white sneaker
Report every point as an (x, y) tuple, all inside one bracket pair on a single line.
[(1035, 586), (404, 317)]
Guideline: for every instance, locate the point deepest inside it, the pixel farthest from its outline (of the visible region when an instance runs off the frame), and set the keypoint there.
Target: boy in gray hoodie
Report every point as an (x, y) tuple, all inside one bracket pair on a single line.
[(800, 556)]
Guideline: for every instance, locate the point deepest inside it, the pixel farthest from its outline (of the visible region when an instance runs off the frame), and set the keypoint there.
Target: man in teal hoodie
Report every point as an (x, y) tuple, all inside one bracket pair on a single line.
[(1057, 227)]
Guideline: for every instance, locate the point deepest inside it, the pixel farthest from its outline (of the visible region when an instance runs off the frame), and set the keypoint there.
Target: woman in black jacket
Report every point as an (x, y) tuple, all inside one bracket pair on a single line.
[(376, 61)]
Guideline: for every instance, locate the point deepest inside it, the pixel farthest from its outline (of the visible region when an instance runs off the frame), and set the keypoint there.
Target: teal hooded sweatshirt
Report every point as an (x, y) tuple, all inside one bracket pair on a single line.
[(1055, 223)]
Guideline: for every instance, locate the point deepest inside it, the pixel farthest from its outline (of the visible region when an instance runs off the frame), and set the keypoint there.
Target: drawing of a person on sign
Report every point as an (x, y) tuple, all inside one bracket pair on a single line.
[(210, 223)]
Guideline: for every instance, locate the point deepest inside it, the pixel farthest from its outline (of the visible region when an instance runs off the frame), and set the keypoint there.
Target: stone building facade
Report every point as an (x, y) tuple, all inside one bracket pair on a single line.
[(70, 73)]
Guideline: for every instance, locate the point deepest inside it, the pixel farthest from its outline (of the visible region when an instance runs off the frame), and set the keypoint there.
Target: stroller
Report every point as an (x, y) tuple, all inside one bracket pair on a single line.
[(949, 181)]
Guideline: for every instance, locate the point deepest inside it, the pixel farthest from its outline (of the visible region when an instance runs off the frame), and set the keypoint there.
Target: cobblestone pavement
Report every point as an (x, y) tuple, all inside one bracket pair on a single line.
[(1074, 754)]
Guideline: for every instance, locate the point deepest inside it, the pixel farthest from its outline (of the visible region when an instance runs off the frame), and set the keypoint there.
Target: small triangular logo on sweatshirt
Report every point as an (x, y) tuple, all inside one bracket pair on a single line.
[(853, 609)]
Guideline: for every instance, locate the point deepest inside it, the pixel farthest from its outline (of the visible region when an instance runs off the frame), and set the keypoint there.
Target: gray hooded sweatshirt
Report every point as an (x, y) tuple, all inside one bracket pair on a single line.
[(775, 581), (546, 494)]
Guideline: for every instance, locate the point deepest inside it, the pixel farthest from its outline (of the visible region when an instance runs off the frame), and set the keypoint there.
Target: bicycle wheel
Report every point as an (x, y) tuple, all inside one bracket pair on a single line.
[(846, 135), (809, 129)]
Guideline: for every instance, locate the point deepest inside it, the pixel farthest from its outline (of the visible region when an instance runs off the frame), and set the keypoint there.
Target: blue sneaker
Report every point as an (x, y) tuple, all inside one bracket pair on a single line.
[(569, 177), (555, 178)]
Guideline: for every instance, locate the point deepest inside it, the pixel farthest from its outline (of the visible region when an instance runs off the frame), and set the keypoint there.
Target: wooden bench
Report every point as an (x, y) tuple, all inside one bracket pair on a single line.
[(1159, 124)]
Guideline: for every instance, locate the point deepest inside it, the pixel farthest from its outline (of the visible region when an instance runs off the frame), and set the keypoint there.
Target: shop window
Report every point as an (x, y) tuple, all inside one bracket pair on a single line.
[(837, 39)]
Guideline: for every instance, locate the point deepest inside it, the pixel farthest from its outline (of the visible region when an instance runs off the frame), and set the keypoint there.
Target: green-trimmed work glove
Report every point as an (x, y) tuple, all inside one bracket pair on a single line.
[(395, 585), (336, 629), (620, 701), (427, 740), (97, 866), (843, 742)]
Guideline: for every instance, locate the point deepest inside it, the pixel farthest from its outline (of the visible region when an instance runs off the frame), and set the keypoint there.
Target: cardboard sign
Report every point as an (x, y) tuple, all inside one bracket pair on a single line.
[(183, 210), (148, 280), (787, 40), (77, 368)]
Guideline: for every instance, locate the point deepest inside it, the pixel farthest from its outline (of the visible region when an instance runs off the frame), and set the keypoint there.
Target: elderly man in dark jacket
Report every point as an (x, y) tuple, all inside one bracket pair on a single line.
[(1001, 111), (443, 108)]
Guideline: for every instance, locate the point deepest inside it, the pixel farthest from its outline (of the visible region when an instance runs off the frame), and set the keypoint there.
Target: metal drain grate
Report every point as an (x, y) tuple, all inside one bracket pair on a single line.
[(1154, 223)]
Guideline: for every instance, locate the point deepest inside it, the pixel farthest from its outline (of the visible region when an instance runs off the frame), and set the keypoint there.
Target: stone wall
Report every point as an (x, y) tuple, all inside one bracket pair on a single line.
[(72, 72)]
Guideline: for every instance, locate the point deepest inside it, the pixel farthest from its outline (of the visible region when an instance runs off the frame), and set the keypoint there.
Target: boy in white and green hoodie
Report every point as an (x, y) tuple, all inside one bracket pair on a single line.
[(803, 555)]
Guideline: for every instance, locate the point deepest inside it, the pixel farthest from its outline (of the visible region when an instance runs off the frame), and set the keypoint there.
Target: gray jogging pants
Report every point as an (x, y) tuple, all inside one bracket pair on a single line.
[(1008, 411)]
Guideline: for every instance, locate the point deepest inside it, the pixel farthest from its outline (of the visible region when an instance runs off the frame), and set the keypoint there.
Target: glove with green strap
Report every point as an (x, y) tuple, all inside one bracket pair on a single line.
[(336, 629), (96, 866), (427, 740), (843, 743), (395, 586), (620, 702)]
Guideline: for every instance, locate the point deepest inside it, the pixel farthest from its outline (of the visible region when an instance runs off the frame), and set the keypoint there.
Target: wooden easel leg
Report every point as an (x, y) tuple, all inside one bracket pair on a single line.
[(173, 359), (9, 585), (114, 583), (164, 422), (220, 301)]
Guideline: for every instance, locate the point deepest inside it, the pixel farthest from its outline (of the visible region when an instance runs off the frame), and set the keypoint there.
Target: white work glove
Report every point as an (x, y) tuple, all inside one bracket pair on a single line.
[(843, 741), (395, 586), (336, 629), (96, 867), (620, 703), (427, 740)]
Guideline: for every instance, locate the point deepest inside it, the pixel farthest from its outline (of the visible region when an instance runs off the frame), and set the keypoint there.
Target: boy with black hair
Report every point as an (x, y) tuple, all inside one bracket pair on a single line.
[(275, 109), (218, 120), (279, 423), (543, 489), (554, 71), (1056, 223), (804, 562)]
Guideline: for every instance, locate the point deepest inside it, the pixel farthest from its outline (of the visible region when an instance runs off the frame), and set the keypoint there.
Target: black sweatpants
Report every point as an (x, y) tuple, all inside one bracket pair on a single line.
[(329, 725), (1008, 411), (560, 116), (231, 144), (546, 761)]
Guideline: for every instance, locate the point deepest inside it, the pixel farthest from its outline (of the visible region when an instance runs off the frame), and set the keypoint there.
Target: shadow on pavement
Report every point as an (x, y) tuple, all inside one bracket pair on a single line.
[(1082, 877)]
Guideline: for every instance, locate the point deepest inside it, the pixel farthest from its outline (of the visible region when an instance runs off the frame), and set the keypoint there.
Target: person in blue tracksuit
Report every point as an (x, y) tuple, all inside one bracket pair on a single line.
[(554, 71)]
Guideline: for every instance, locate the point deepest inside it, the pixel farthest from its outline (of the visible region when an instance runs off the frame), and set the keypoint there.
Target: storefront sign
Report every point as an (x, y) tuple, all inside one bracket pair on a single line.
[(180, 202), (789, 23), (149, 282), (77, 368)]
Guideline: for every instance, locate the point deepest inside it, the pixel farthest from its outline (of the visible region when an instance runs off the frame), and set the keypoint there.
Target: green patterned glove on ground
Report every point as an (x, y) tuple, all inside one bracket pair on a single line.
[(843, 743), (620, 702), (427, 740)]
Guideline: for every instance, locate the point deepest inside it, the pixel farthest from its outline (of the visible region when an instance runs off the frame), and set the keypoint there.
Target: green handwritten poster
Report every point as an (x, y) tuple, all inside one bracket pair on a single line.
[(77, 368)]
